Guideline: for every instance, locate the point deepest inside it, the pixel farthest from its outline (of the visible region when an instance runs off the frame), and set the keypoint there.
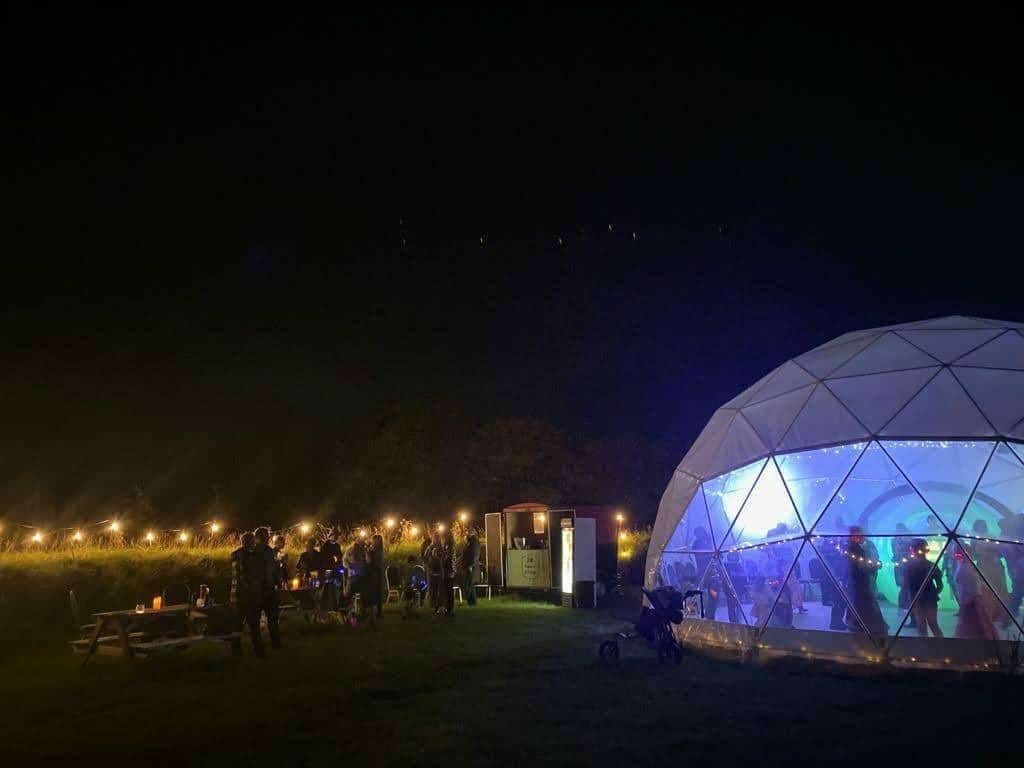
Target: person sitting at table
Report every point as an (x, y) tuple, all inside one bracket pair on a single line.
[(415, 591), (238, 591), (309, 561)]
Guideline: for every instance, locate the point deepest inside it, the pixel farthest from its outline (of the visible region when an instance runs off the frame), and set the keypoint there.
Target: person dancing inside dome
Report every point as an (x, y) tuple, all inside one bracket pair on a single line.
[(919, 575), (863, 570), (975, 617), (989, 555)]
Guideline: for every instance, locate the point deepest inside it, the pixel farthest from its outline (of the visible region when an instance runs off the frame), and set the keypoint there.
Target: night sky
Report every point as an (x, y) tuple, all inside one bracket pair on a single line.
[(609, 221)]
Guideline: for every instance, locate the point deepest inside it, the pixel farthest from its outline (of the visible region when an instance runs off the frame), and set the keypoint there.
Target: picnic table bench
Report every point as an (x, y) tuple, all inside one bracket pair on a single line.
[(155, 630)]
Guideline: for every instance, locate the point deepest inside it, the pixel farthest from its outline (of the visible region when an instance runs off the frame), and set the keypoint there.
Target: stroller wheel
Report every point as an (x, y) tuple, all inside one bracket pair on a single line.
[(609, 651)]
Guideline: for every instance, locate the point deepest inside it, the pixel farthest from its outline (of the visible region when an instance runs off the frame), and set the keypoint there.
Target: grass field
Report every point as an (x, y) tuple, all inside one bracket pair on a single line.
[(505, 683)]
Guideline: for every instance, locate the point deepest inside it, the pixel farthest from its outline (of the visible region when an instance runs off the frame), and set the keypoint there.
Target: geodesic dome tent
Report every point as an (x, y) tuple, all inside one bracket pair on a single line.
[(864, 499)]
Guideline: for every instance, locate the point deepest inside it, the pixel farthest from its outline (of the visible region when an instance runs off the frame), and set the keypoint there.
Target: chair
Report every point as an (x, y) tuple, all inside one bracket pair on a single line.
[(393, 577), (76, 615), (177, 594)]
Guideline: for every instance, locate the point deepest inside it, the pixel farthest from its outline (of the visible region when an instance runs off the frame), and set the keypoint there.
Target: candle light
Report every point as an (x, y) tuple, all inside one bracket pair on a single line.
[(158, 602), (296, 582)]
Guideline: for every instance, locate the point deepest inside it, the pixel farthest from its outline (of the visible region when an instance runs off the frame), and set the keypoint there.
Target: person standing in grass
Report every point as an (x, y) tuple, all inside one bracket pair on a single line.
[(237, 599), (434, 557), (470, 563), (373, 576), (449, 575), (261, 573)]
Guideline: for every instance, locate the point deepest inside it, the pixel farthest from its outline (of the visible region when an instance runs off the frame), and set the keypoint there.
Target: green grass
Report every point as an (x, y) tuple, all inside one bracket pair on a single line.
[(505, 683)]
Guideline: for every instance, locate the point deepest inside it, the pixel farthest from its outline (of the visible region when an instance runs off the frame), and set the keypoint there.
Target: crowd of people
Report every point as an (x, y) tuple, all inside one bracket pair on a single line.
[(356, 580), (982, 577)]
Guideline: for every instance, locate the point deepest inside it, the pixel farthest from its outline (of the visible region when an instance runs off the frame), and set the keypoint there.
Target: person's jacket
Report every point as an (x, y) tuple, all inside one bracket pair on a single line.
[(471, 553), (916, 574), (260, 570), (434, 557)]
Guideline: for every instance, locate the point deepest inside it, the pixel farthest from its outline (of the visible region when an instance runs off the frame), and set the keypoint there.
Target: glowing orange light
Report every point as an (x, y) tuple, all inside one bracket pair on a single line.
[(390, 523), (183, 536), (37, 537), (115, 527), (77, 536), (362, 533), (414, 531), (215, 527), (304, 528), (440, 527), (150, 536)]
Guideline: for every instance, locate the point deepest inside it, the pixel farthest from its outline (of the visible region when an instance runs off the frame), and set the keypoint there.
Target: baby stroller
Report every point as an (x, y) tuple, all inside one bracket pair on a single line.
[(667, 606)]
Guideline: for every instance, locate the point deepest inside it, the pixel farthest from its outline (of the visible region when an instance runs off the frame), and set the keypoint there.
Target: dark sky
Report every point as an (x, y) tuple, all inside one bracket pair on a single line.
[(612, 221)]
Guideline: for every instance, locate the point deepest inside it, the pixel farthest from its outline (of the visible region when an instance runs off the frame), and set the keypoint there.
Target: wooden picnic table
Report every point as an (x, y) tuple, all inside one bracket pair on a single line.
[(117, 623)]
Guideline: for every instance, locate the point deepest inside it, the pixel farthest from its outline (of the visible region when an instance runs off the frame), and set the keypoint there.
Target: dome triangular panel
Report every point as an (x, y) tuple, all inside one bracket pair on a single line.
[(767, 515), (744, 397), (1005, 351), (822, 361), (941, 409), (771, 418), (944, 472), (947, 346), (875, 399), (996, 498), (812, 477), (788, 376), (999, 394), (822, 420), (887, 353), (954, 322), (740, 444), (878, 498), (701, 455)]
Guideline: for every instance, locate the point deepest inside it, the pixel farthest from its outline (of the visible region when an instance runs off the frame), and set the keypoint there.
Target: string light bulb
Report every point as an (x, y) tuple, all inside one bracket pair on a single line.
[(620, 518), (463, 516)]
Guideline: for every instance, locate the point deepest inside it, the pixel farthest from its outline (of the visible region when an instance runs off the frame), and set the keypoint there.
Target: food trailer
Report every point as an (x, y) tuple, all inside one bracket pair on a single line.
[(561, 552)]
